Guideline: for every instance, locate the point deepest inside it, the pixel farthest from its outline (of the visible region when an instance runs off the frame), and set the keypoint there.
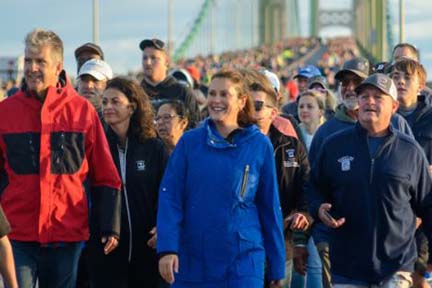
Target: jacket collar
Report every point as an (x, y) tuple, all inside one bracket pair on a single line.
[(341, 114), (214, 139)]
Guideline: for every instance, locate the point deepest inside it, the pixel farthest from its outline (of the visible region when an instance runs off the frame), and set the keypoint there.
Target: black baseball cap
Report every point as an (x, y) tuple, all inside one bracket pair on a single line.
[(96, 49), (155, 43), (359, 66)]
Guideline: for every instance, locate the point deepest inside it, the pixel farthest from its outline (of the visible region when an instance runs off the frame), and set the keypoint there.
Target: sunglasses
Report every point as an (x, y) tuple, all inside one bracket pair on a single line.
[(156, 43), (259, 105)]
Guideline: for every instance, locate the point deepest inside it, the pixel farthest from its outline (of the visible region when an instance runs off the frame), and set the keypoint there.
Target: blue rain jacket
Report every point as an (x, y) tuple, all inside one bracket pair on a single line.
[(219, 207)]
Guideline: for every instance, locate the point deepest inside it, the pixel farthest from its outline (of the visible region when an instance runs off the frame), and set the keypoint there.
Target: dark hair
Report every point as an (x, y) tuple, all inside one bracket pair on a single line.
[(141, 123), (411, 47), (246, 115), (180, 108)]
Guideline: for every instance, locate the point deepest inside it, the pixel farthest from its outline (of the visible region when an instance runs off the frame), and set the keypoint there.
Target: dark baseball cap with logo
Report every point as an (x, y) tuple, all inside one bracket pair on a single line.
[(321, 80), (359, 66), (380, 81), (91, 47), (154, 43)]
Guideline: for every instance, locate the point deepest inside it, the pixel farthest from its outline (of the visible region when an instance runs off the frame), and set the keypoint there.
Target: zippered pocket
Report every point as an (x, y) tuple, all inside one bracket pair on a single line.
[(244, 182)]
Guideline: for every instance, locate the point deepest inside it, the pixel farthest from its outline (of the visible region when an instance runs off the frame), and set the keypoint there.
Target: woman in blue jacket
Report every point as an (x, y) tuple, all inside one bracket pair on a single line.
[(219, 217)]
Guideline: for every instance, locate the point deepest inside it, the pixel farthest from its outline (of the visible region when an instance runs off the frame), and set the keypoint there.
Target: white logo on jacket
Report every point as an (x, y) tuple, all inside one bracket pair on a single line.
[(291, 162), (140, 165), (345, 162)]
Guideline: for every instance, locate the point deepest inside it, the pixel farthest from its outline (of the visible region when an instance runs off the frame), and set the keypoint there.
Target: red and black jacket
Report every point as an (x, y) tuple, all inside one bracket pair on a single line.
[(47, 152)]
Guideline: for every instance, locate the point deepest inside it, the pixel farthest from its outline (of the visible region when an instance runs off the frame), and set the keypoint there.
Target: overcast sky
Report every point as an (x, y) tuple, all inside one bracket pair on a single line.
[(124, 23)]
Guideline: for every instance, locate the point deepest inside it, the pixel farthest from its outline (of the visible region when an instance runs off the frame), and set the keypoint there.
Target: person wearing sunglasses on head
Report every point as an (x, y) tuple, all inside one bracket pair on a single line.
[(292, 166), (161, 86)]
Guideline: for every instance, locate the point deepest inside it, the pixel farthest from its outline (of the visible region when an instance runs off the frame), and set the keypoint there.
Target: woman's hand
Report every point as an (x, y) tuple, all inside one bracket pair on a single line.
[(111, 242), (152, 242), (168, 264)]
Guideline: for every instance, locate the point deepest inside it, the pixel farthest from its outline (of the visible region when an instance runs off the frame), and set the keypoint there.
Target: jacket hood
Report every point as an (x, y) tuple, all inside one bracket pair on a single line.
[(238, 137), (284, 126), (341, 114)]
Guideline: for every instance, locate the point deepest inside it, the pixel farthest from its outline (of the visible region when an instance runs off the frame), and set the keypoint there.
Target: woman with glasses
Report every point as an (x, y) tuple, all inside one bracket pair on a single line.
[(171, 122), (219, 217), (140, 158)]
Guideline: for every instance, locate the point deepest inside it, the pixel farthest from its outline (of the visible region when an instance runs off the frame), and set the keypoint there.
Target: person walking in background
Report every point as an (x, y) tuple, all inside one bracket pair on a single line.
[(171, 122), (53, 147), (219, 215), (87, 51), (160, 86), (292, 167), (311, 110), (92, 79)]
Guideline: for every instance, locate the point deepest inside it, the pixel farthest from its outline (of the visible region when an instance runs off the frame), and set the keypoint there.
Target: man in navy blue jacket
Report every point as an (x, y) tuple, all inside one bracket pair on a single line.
[(369, 182)]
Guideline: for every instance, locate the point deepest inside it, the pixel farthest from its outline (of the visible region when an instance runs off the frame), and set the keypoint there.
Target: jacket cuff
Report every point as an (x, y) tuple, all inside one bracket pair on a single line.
[(106, 204)]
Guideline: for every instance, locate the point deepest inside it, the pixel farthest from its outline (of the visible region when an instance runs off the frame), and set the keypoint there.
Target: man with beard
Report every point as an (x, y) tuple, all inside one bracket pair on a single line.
[(160, 86)]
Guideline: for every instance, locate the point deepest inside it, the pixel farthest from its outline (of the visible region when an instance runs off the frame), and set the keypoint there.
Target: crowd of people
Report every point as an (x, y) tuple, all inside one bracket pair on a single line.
[(245, 169)]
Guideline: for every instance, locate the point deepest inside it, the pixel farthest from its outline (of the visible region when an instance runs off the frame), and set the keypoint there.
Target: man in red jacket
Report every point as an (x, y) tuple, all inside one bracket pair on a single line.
[(50, 143)]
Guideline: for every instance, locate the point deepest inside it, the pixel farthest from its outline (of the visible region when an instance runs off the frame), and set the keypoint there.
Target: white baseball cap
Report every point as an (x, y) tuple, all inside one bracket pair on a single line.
[(273, 78), (99, 69)]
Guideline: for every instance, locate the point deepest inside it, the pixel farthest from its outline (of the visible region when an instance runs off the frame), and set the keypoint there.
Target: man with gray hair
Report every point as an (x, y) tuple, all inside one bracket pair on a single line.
[(50, 143)]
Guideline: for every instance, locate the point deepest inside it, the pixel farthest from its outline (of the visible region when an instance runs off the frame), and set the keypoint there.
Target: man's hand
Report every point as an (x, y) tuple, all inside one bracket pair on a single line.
[(111, 242), (168, 264), (297, 221), (152, 242), (276, 284), (300, 260), (327, 219)]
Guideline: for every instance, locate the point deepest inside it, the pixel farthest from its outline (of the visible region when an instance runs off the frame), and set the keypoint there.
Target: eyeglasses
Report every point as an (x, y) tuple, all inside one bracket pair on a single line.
[(165, 117), (259, 105)]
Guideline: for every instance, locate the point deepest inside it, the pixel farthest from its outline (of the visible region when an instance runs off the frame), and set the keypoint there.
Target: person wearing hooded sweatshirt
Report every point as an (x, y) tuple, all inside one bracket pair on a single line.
[(160, 86), (219, 216), (410, 77)]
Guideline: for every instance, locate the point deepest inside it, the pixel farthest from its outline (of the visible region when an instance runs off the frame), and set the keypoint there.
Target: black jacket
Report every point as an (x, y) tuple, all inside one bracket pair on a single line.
[(170, 89), (292, 168), (145, 165)]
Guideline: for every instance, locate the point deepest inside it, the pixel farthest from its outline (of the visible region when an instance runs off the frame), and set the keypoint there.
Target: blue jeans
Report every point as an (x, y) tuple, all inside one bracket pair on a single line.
[(314, 272), (52, 267)]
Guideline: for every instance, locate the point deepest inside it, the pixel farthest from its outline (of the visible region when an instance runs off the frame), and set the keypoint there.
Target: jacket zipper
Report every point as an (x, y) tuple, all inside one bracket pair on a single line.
[(123, 164), (371, 170), (244, 182)]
